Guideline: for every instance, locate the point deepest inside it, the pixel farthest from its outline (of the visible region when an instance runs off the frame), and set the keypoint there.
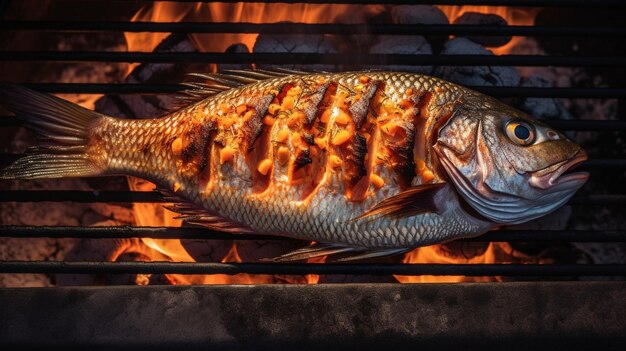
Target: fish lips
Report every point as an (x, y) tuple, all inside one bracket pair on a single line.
[(555, 177)]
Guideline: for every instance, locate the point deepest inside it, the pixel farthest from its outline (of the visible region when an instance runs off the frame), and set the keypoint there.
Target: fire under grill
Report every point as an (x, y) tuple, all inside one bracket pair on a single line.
[(540, 303)]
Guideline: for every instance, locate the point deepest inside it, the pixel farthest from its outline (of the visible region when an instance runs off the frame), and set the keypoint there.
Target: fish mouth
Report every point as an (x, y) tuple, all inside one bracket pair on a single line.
[(555, 175)]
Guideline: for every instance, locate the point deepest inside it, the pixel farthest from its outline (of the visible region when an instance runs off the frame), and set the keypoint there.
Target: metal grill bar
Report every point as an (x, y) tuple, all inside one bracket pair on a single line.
[(125, 232), (579, 125), (587, 125), (590, 165), (154, 197), (124, 88), (596, 164), (80, 196), (312, 58), (523, 3), (315, 28), (518, 270)]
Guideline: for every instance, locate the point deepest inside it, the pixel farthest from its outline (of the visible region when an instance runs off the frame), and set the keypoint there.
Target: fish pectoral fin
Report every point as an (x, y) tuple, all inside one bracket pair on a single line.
[(413, 201), (194, 214), (347, 253)]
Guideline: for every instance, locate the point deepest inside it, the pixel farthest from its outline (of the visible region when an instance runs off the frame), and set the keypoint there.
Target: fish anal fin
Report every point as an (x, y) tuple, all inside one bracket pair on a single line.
[(194, 214), (412, 201), (312, 251), (374, 253), (344, 253)]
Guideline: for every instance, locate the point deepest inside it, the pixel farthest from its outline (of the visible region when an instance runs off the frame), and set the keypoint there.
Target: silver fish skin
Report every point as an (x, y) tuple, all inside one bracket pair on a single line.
[(376, 161)]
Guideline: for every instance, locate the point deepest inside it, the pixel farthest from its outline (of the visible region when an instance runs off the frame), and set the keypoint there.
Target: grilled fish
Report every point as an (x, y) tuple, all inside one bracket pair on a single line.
[(364, 163)]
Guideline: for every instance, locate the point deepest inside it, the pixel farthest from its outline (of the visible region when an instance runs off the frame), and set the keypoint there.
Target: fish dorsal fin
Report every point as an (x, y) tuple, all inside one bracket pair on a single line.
[(194, 214), (215, 83), (413, 201), (212, 84), (347, 253)]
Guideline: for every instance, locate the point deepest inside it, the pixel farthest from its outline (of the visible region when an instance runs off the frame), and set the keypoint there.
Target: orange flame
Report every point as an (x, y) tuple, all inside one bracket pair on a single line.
[(496, 252), (235, 12)]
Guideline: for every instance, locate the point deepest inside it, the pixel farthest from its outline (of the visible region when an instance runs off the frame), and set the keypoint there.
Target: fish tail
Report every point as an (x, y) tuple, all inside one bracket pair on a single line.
[(63, 130)]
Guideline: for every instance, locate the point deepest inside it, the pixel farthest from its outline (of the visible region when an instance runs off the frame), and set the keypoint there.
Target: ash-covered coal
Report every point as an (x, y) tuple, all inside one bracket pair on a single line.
[(151, 106), (406, 45), (237, 48), (475, 75), (418, 14), (544, 108), (476, 18), (296, 43)]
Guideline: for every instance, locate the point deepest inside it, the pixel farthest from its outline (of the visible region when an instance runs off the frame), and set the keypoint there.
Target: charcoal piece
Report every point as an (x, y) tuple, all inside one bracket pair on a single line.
[(474, 75), (476, 18), (546, 108), (238, 48), (360, 42), (151, 106), (418, 14), (421, 14), (103, 250), (557, 220), (461, 250), (296, 43), (405, 44), (602, 253), (207, 250)]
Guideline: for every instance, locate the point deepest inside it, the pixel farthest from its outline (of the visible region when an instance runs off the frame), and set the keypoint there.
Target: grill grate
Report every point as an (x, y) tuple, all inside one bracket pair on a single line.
[(315, 28), (132, 88), (311, 58), (121, 232), (351, 60), (528, 3)]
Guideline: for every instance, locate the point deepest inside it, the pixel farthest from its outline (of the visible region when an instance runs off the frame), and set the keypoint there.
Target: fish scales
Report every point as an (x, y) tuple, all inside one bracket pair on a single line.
[(280, 207), (363, 159)]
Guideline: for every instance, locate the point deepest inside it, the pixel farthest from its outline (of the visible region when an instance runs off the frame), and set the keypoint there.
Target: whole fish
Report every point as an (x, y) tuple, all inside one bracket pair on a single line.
[(364, 163)]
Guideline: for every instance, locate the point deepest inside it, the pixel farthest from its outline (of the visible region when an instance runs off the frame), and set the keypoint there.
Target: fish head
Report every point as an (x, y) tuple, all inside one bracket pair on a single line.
[(506, 165)]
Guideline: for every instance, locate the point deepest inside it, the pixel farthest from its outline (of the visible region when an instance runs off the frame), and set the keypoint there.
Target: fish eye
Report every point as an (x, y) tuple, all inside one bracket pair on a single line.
[(520, 132)]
